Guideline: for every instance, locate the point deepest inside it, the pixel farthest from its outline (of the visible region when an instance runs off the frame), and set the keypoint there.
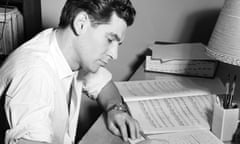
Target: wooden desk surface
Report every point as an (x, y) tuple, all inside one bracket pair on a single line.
[(99, 134)]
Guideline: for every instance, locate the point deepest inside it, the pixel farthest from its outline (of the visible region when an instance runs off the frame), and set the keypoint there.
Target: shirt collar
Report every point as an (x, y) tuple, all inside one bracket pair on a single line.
[(61, 64)]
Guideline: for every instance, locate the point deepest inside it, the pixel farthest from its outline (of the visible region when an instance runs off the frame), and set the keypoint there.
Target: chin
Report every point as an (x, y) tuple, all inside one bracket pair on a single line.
[(93, 69)]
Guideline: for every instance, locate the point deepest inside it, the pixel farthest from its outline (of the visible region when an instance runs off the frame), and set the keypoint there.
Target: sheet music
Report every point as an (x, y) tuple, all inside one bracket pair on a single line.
[(184, 67), (190, 137), (173, 114), (169, 87)]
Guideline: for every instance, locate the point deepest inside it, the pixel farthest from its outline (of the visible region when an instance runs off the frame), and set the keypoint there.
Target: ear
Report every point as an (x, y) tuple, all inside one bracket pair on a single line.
[(81, 22)]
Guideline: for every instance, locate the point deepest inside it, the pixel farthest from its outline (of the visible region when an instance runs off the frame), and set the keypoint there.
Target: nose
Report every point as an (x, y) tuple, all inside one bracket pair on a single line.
[(113, 51)]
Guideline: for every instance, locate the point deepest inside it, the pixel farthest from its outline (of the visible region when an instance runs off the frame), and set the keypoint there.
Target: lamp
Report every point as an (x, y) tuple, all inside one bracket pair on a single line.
[(224, 44)]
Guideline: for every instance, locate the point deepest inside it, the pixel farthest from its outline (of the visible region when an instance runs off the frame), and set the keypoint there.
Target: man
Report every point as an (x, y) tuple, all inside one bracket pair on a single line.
[(43, 79)]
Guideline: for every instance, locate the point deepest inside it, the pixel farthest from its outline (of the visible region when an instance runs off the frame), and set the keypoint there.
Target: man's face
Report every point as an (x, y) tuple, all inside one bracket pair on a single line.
[(100, 44)]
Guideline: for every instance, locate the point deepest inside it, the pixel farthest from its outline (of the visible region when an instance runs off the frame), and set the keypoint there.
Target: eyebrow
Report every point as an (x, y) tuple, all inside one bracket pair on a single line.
[(116, 37)]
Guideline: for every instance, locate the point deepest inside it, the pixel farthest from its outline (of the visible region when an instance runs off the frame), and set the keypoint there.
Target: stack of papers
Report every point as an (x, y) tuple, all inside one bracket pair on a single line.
[(169, 87), (190, 137), (184, 59), (171, 108)]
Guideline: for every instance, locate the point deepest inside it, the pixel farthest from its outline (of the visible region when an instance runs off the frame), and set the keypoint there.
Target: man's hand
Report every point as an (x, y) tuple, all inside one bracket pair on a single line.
[(118, 120), (122, 124)]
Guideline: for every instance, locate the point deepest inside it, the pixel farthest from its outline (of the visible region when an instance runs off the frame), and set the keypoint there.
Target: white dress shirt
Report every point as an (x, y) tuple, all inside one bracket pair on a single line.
[(42, 93)]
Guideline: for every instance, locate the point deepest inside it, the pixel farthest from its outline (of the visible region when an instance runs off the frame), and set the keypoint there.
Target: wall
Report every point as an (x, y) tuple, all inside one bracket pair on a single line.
[(163, 20), (51, 10)]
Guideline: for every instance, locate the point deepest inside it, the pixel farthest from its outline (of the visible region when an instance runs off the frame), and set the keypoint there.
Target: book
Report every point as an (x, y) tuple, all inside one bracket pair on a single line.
[(173, 114), (170, 105), (168, 87), (181, 59)]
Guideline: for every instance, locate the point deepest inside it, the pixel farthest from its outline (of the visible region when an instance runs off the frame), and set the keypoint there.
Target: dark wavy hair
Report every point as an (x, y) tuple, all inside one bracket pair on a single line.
[(99, 11)]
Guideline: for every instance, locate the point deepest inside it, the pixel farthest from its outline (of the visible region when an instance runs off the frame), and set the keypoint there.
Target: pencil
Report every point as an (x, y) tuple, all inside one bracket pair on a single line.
[(232, 91), (225, 98)]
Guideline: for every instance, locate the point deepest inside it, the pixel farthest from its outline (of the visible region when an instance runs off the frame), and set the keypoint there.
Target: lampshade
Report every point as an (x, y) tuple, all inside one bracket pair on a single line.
[(224, 43)]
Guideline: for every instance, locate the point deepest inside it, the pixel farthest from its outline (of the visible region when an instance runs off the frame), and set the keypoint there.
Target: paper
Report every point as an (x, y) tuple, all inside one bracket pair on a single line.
[(190, 137), (184, 51), (169, 87), (173, 114), (182, 59), (185, 67), (170, 105)]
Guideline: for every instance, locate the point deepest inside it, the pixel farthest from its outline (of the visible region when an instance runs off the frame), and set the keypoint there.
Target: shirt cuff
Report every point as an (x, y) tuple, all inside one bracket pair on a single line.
[(29, 132)]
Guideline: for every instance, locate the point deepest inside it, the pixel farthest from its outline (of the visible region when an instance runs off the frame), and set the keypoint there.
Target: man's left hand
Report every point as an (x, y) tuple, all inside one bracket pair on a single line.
[(122, 124)]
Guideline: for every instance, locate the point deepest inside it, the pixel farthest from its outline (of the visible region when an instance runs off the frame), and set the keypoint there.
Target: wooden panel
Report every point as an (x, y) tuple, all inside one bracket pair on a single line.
[(32, 17)]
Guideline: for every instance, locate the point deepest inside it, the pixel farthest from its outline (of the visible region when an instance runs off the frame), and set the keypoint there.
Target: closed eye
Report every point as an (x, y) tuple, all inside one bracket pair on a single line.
[(110, 40), (113, 37)]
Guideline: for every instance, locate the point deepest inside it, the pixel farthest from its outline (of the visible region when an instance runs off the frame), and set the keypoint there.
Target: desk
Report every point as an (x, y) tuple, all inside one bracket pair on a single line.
[(98, 133)]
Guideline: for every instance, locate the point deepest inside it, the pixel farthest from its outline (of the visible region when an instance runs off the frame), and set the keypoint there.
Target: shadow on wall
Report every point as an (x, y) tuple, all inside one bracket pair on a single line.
[(139, 60), (203, 23), (198, 28)]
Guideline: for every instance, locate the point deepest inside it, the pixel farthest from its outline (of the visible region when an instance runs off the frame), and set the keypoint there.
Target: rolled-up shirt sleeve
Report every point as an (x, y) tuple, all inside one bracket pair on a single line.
[(29, 104), (94, 82)]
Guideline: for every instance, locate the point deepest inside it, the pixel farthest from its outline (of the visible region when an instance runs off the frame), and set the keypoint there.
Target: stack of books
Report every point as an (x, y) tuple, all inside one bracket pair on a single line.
[(181, 59)]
